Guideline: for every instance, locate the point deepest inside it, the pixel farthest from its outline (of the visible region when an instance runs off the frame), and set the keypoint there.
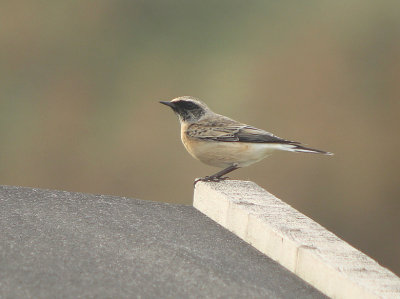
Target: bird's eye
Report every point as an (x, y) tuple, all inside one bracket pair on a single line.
[(189, 106)]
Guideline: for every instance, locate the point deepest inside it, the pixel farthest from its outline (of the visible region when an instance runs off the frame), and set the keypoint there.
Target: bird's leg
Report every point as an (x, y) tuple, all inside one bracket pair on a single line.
[(218, 176)]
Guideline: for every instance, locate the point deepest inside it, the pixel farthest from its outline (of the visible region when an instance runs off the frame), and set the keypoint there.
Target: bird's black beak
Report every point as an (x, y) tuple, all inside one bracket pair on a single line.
[(170, 104)]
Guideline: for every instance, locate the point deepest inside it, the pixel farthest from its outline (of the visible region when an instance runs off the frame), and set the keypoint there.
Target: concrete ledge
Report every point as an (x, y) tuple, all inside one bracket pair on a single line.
[(294, 240)]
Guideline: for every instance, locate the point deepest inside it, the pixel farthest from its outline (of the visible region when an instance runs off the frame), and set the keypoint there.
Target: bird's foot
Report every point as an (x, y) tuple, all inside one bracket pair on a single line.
[(210, 179)]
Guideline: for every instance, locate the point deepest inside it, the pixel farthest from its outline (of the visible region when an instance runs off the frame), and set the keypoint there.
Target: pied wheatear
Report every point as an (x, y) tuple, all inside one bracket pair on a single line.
[(222, 142)]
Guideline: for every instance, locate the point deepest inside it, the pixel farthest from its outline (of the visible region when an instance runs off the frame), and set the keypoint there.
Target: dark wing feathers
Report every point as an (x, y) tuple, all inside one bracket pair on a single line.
[(254, 135), (232, 131)]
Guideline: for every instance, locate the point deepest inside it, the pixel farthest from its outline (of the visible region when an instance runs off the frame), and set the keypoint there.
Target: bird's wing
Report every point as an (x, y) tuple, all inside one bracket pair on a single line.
[(252, 134), (231, 131)]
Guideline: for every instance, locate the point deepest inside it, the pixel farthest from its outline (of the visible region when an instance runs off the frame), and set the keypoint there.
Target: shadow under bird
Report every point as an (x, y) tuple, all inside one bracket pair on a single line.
[(222, 142)]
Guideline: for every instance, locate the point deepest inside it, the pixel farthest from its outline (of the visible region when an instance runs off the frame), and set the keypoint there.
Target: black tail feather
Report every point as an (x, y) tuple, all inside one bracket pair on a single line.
[(303, 149)]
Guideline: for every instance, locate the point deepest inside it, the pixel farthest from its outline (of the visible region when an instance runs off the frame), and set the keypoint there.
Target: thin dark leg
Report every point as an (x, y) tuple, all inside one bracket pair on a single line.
[(217, 176)]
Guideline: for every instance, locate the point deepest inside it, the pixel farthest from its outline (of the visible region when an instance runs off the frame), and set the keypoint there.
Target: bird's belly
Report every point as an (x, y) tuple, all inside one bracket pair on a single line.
[(224, 154)]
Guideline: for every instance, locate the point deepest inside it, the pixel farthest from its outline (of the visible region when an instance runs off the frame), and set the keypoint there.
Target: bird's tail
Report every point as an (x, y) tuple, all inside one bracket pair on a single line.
[(303, 149)]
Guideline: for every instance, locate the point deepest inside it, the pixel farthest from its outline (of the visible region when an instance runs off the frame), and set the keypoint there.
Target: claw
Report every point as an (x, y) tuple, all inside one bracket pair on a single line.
[(210, 179), (224, 178), (217, 177)]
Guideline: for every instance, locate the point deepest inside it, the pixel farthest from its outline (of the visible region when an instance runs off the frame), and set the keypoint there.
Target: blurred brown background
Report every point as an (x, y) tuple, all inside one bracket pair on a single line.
[(80, 83)]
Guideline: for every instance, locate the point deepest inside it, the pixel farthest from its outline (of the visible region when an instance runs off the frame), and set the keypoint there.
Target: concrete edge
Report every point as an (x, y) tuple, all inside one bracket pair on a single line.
[(295, 241)]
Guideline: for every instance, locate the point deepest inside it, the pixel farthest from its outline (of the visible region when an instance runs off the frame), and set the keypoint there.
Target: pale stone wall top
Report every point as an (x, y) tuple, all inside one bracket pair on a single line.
[(294, 240)]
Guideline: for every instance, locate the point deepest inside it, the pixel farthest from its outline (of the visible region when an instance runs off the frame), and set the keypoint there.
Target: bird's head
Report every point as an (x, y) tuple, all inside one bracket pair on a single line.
[(188, 109)]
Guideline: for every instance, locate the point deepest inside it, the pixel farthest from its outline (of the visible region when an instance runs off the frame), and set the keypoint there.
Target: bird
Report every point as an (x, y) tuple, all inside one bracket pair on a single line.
[(222, 142)]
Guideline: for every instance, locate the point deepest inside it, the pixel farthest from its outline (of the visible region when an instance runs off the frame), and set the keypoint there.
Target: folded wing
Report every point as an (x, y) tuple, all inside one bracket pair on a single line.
[(233, 132)]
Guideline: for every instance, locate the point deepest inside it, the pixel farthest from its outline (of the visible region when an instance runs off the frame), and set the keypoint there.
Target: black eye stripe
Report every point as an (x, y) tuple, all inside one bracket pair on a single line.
[(189, 110), (189, 105)]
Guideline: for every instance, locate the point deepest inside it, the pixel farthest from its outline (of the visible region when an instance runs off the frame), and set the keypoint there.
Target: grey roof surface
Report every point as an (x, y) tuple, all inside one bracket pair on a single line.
[(64, 244)]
